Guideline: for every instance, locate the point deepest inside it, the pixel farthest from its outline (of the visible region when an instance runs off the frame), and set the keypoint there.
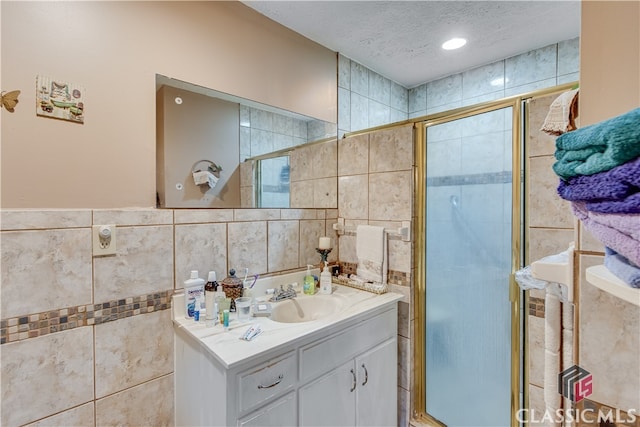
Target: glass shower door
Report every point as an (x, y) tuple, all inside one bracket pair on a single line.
[(468, 266)]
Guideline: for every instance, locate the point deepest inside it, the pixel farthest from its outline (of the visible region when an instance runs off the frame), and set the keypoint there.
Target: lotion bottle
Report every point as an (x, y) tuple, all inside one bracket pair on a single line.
[(325, 280), (309, 286), (193, 289)]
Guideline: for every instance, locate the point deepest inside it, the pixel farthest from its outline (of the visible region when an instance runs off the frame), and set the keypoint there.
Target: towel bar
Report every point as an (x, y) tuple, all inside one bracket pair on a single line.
[(404, 231)]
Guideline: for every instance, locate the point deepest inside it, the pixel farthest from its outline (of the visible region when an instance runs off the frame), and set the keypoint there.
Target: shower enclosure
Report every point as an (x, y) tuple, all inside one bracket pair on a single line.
[(472, 219)]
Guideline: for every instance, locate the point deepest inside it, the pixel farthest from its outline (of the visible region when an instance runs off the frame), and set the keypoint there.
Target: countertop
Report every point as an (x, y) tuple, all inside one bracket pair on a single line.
[(228, 349)]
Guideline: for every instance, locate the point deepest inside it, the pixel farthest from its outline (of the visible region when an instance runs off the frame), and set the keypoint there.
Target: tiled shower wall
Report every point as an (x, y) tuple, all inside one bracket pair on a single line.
[(89, 340), (375, 186)]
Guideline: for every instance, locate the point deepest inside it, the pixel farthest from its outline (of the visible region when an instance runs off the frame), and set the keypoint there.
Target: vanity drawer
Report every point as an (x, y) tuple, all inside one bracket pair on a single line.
[(323, 356), (267, 380)]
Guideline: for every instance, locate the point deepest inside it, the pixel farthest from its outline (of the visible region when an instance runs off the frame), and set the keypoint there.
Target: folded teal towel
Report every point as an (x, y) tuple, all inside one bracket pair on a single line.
[(598, 147)]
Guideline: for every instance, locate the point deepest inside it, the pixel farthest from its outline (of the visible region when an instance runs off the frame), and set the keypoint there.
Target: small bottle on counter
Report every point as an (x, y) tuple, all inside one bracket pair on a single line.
[(210, 291)]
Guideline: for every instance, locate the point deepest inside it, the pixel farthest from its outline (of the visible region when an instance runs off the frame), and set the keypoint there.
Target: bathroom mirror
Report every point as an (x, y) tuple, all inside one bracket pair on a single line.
[(217, 150)]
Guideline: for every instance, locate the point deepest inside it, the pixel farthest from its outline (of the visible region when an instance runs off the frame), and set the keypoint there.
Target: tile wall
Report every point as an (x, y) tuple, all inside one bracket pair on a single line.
[(263, 132), (93, 335), (375, 186), (366, 99), (550, 231)]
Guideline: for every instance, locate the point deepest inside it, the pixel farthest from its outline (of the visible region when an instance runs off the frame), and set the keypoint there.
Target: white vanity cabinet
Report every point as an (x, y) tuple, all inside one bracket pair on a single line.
[(340, 372), (360, 391)]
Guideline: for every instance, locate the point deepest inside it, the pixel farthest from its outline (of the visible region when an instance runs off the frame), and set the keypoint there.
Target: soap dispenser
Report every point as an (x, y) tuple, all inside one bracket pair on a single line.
[(309, 286), (325, 280)]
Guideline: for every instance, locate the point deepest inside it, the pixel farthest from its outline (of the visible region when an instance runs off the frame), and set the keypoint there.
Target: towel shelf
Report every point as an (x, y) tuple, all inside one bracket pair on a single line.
[(600, 277), (404, 231)]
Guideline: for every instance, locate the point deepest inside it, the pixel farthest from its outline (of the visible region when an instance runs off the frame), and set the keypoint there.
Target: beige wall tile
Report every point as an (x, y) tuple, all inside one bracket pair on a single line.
[(300, 213), (399, 255), (39, 219), (391, 149), (353, 196), (540, 143), (347, 246), (133, 350), (283, 245), (324, 161), (353, 155), (609, 343), (587, 241), (79, 416), (255, 214), (332, 213), (546, 208), (536, 349), (404, 407), (193, 216), (301, 194), (201, 247), (301, 164), (325, 193), (404, 319), (246, 197), (310, 232), (133, 216), (546, 241), (390, 195), (46, 375), (249, 246), (404, 362), (143, 264), (149, 404), (44, 270), (536, 405), (246, 174)]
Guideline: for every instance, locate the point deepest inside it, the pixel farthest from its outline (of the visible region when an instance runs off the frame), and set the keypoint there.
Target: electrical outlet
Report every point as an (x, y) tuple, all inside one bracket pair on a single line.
[(104, 240)]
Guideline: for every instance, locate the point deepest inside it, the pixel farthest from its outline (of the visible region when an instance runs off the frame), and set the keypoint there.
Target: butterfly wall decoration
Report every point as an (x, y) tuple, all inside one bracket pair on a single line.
[(9, 100)]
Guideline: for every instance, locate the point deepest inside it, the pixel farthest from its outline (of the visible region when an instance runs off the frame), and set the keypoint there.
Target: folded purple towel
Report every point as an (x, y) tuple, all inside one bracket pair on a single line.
[(622, 268), (615, 184), (618, 232), (630, 205)]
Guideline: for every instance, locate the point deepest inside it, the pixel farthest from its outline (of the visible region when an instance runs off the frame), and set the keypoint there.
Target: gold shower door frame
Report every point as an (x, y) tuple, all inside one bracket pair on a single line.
[(518, 223)]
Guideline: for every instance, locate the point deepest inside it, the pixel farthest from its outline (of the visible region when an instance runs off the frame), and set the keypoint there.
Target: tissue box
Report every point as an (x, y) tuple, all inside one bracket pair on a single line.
[(205, 177)]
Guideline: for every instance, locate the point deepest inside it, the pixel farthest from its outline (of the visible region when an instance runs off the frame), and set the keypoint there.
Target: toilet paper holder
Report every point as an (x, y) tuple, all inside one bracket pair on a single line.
[(209, 176)]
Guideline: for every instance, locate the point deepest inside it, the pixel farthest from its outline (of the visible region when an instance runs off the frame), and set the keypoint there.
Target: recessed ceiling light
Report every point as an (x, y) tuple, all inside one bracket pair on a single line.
[(454, 43)]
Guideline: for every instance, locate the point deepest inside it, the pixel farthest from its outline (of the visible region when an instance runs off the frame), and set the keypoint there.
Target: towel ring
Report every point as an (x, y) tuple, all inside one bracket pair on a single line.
[(213, 168)]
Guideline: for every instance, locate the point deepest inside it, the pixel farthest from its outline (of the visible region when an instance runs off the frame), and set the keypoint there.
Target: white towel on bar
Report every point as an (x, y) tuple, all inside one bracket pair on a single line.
[(371, 250)]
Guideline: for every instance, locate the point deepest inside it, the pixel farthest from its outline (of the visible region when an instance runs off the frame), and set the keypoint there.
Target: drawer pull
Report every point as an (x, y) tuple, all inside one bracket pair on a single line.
[(366, 374), (353, 385), (279, 380)]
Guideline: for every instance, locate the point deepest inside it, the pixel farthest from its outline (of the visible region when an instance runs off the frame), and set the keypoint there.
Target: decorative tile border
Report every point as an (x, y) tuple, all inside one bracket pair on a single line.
[(393, 277), (39, 324), (536, 307)]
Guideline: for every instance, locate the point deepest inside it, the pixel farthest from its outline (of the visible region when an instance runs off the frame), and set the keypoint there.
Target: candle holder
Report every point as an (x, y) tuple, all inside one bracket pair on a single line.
[(323, 254)]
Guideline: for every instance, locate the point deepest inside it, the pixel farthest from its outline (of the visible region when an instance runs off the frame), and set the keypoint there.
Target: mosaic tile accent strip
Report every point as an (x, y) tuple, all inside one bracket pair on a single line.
[(536, 307), (393, 277), (39, 324)]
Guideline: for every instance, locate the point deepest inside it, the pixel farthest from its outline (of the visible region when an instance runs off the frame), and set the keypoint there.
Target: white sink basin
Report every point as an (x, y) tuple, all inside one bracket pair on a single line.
[(307, 308)]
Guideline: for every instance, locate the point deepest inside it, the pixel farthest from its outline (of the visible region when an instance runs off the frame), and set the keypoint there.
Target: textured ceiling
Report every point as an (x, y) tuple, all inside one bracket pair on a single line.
[(401, 39)]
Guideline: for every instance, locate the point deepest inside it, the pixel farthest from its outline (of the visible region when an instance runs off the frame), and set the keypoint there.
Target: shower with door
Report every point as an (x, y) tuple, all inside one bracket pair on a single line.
[(471, 203)]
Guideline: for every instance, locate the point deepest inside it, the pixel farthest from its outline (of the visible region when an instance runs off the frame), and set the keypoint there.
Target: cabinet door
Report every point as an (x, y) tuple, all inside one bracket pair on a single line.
[(378, 385), (330, 400), (282, 412)]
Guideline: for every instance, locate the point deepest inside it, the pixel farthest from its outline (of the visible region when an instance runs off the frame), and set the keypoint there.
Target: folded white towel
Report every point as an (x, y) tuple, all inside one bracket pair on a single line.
[(371, 250)]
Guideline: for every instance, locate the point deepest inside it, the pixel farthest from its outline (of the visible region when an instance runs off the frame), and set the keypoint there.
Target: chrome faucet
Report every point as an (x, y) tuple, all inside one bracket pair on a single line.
[(283, 294)]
